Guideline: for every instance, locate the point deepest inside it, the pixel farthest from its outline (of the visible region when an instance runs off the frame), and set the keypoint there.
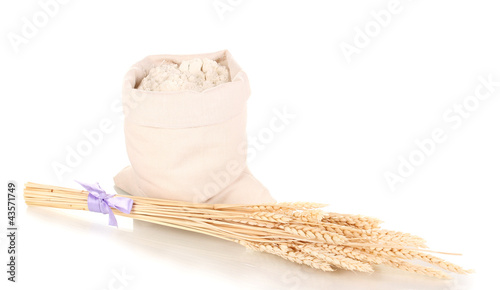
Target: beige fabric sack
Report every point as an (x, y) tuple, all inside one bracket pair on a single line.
[(187, 145)]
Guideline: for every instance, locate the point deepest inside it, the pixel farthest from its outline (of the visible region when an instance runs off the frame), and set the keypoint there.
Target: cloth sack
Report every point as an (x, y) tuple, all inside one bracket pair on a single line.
[(188, 145)]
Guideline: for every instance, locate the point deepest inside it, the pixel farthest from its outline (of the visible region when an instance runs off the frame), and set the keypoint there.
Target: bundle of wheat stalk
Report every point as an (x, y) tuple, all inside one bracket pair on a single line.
[(297, 231)]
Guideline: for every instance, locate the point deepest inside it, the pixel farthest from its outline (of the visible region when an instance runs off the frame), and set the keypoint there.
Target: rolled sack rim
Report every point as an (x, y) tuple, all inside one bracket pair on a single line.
[(184, 109)]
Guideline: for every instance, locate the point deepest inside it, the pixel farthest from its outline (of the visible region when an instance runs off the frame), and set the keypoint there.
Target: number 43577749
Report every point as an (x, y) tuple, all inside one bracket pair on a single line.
[(11, 204)]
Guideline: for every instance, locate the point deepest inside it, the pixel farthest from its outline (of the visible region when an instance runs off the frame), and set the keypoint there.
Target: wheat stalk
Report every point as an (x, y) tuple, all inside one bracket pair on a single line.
[(403, 265), (270, 216), (357, 221), (290, 254), (411, 254), (337, 260), (398, 237), (315, 233), (353, 253), (297, 231)]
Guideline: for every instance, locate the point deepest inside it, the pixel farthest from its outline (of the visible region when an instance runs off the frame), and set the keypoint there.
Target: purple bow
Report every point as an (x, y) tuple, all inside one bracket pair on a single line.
[(99, 201)]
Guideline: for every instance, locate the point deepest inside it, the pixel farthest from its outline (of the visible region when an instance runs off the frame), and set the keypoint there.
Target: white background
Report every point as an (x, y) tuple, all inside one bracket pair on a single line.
[(353, 120)]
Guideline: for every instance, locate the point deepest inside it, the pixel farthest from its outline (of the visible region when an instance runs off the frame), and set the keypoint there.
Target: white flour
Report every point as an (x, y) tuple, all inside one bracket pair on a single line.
[(195, 74)]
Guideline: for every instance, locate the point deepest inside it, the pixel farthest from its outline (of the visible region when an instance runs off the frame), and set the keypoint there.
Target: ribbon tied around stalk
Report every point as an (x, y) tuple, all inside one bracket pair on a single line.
[(99, 201)]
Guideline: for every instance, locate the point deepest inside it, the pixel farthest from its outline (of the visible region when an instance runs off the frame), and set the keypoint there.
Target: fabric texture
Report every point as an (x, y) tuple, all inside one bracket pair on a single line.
[(188, 145)]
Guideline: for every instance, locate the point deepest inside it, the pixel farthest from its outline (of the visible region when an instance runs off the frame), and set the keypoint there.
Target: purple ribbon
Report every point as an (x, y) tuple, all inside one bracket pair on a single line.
[(99, 201)]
